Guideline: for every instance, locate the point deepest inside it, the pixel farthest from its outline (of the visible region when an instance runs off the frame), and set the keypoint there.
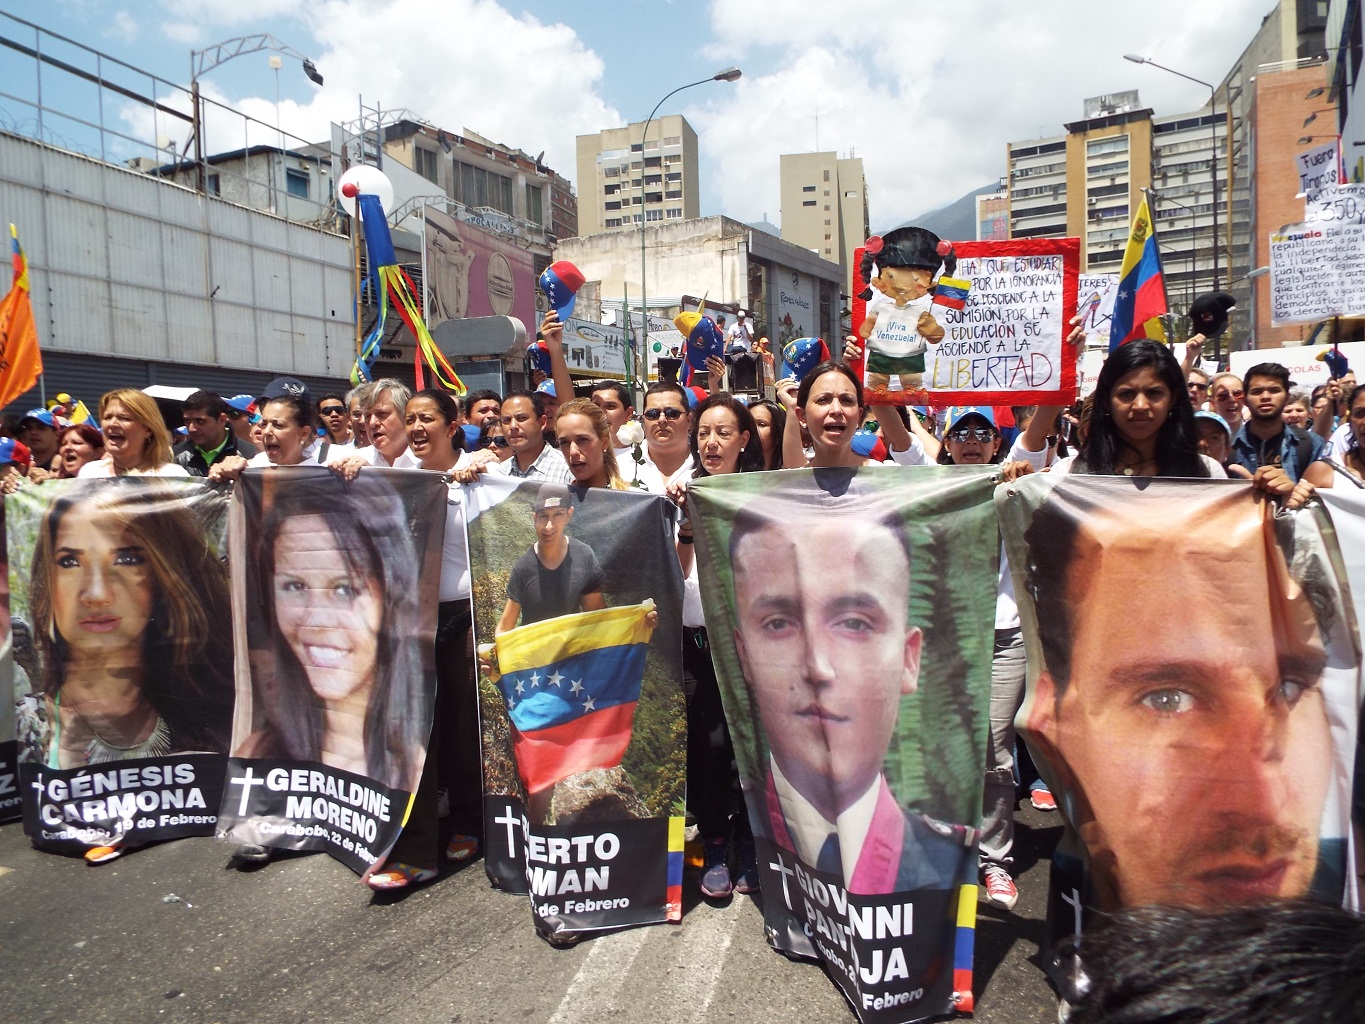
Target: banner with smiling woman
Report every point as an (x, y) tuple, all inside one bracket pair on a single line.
[(851, 617), (122, 659), (334, 613)]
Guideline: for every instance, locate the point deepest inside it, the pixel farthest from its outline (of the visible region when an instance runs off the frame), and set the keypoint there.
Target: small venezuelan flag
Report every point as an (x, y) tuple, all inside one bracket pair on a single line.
[(1141, 298), (952, 292), (571, 684)]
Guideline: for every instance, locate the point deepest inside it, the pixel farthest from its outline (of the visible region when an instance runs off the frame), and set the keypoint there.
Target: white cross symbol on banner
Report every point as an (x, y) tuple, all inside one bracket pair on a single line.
[(246, 782)]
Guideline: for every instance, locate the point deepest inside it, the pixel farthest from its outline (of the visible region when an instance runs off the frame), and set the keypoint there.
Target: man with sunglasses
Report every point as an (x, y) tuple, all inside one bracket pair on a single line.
[(1227, 400), (1197, 383), (336, 420), (667, 421)]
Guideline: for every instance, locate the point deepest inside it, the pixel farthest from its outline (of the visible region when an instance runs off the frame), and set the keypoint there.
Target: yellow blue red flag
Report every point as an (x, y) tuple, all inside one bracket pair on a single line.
[(21, 362), (1141, 297)]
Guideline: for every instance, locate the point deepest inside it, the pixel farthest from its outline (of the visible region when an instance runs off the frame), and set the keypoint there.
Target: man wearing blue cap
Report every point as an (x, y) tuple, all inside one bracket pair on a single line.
[(38, 429), (242, 416)]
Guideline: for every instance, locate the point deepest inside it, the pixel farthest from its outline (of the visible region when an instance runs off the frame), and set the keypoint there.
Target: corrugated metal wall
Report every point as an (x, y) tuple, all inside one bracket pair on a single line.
[(126, 265)]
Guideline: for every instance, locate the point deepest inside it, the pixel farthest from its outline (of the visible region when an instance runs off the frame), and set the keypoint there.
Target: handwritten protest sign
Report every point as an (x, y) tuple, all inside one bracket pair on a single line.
[(1335, 204), (1318, 167), (1095, 294), (1317, 271), (1005, 346)]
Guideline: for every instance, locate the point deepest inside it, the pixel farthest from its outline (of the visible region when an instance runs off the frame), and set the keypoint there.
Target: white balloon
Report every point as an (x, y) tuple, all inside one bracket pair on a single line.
[(371, 181)]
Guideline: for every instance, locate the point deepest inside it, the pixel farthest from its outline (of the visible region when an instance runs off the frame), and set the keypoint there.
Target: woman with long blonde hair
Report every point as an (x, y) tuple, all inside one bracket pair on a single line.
[(136, 441), (583, 434)]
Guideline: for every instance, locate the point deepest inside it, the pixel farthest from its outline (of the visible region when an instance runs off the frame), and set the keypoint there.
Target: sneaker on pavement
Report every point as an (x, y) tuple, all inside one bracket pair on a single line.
[(1000, 888), (746, 879), (252, 853), (715, 876), (103, 854), (1042, 799)]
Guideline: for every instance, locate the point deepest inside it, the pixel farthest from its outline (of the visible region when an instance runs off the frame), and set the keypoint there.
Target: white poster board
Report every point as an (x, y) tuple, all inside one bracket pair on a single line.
[(1305, 367), (1317, 271), (1318, 167)]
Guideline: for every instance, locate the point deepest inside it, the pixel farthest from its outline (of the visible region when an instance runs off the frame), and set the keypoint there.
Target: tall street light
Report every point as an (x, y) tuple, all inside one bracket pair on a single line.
[(1213, 142), (729, 74), (205, 60)]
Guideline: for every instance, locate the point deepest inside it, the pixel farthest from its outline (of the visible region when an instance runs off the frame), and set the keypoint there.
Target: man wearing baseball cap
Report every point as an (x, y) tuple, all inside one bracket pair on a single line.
[(242, 416), (740, 336), (38, 430), (15, 462)]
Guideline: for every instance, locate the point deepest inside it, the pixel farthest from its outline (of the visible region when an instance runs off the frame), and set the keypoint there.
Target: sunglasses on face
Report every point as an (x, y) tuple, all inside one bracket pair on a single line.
[(963, 434), (672, 412), (1231, 394), (333, 410), (497, 441), (1196, 386)]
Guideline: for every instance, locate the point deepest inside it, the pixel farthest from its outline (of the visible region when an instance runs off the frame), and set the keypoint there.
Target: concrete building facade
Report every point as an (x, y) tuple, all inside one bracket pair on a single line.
[(625, 180), (825, 207)]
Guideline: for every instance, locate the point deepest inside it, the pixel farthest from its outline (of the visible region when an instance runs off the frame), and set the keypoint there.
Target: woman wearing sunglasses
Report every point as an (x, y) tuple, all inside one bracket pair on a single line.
[(493, 439)]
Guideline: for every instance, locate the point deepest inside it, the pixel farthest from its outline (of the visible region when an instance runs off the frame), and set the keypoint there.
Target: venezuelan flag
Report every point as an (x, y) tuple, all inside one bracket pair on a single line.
[(571, 684), (952, 292), (1141, 296)]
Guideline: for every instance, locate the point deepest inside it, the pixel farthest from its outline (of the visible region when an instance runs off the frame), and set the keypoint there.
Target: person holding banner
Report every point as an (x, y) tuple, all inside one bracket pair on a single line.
[(136, 441), (723, 440), (453, 764), (129, 605), (1351, 458), (584, 437)]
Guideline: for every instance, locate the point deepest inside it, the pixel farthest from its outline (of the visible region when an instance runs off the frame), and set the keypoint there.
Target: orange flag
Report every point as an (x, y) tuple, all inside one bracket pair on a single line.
[(21, 362)]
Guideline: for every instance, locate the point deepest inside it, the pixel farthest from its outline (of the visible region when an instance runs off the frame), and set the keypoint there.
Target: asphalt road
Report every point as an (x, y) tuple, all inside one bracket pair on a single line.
[(171, 934)]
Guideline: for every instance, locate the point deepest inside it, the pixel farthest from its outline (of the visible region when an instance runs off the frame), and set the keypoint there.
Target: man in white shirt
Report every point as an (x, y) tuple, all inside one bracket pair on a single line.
[(740, 336), (385, 408), (523, 423)]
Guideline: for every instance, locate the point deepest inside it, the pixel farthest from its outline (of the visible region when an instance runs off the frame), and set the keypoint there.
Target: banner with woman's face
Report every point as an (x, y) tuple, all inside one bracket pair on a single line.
[(1193, 689), (851, 620), (577, 614), (334, 602), (122, 652)]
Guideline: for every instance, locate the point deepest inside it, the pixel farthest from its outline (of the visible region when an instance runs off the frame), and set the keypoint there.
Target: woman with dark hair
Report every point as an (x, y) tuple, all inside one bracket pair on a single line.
[(1143, 423), (770, 420), (829, 405), (436, 440), (78, 444), (129, 604), (288, 427), (335, 580), (724, 440), (1352, 457)]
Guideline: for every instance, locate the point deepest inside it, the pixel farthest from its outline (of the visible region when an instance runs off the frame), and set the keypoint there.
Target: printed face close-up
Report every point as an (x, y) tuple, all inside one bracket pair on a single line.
[(828, 654), (1200, 750), (103, 589), (551, 524), (328, 614), (904, 284)]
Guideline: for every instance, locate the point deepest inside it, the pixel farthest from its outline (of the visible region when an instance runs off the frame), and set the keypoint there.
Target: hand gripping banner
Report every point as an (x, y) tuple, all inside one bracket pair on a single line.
[(577, 614), (122, 652), (334, 610), (1193, 691), (851, 616)]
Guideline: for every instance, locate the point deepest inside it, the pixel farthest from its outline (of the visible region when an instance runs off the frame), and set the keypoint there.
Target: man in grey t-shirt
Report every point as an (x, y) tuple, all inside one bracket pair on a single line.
[(558, 574)]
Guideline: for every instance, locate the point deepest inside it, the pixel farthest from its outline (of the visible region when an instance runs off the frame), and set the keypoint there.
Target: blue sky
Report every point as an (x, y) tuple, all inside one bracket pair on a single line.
[(928, 97)]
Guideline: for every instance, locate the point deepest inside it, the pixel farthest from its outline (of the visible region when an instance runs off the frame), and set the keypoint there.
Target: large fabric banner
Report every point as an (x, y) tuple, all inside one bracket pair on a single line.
[(577, 615), (1193, 691), (122, 653), (334, 603), (851, 617)]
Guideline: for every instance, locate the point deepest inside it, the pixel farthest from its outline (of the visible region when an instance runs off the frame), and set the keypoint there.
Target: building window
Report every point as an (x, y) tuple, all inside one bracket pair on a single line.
[(673, 176), (612, 172), (611, 190), (635, 147), (614, 205), (807, 188), (827, 175), (479, 187), (850, 195), (673, 194), (672, 140), (826, 192), (654, 179), (215, 185), (613, 222), (535, 205), (635, 218), (808, 202), (296, 183), (426, 163), (673, 213), (652, 145), (654, 215)]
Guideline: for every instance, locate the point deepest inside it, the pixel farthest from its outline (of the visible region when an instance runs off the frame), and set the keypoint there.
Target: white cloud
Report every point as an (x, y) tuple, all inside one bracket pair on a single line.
[(123, 26), (184, 32), (929, 100)]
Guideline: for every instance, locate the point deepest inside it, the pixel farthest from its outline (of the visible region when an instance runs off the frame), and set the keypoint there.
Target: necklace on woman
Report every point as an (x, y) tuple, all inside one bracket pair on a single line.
[(1131, 470), (158, 744)]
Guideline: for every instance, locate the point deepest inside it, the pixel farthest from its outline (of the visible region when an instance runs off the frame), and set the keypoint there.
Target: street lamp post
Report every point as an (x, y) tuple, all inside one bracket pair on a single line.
[(205, 60), (1213, 142), (729, 74)]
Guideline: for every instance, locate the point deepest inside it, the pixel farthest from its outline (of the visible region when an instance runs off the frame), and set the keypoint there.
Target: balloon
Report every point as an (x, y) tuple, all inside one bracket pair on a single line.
[(560, 282), (370, 180)]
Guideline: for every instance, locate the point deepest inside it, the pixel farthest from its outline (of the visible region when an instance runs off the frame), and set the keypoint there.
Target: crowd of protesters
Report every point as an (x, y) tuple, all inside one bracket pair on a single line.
[(1149, 416)]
